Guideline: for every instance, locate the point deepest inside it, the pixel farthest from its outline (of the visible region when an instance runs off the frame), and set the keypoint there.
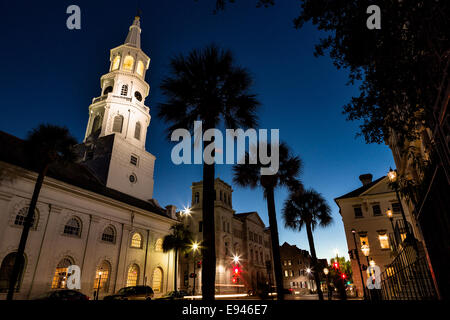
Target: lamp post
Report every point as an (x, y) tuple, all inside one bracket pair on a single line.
[(359, 263), (194, 249), (392, 175), (325, 271), (99, 281)]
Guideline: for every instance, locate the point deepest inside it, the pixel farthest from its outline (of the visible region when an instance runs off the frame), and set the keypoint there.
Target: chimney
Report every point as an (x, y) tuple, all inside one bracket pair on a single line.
[(365, 178), (171, 211)]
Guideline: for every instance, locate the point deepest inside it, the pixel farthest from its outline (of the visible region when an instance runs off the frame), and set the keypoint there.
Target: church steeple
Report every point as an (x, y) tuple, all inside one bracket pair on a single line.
[(119, 114), (134, 33)]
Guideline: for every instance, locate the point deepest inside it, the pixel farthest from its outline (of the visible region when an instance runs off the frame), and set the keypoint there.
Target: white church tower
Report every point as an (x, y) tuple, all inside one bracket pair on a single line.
[(114, 144)]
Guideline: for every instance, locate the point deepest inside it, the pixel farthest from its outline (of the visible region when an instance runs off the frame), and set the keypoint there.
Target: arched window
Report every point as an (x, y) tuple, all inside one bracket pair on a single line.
[(60, 277), (197, 197), (136, 240), (262, 257), (118, 124), (157, 280), (124, 90), (6, 272), (97, 124), (128, 63), (107, 90), (116, 63), (225, 197), (102, 276), (140, 68), (109, 235), (137, 131), (22, 214), (158, 245), (73, 227), (133, 275)]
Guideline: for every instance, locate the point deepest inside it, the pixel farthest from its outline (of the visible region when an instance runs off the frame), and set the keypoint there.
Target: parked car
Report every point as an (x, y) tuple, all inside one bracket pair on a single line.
[(174, 295), (63, 295), (132, 293)]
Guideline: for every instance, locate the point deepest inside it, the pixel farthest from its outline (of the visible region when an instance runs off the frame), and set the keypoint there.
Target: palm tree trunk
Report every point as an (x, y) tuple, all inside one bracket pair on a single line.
[(175, 288), (209, 245), (312, 248), (275, 242), (19, 262)]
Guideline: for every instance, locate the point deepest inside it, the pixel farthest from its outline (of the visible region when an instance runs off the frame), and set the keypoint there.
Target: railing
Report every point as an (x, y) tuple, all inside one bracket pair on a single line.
[(408, 276)]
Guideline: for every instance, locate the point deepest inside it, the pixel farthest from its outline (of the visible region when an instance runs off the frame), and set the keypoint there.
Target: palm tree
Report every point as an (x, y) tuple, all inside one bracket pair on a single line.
[(249, 175), (308, 209), (179, 240), (45, 145), (207, 86)]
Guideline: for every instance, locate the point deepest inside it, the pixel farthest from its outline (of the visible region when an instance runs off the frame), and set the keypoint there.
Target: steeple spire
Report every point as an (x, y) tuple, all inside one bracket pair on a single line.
[(134, 33)]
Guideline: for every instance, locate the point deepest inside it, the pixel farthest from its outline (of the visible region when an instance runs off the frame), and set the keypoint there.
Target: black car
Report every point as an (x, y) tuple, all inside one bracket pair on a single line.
[(132, 293), (174, 295), (63, 295)]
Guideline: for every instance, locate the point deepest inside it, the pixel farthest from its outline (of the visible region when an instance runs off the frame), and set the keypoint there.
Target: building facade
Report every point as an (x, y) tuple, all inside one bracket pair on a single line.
[(297, 269), (241, 235), (97, 213), (364, 211)]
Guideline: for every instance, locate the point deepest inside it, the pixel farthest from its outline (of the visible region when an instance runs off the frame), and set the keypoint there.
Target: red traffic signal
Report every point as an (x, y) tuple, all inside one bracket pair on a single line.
[(234, 280), (336, 265), (192, 275), (236, 270), (343, 276), (199, 264)]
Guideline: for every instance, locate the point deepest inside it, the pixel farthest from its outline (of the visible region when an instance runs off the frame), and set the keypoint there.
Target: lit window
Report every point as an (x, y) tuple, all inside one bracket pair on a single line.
[(364, 240), (128, 63), (102, 279), (158, 245), (384, 241), (109, 235), (73, 227), (133, 275), (21, 215), (289, 262), (60, 276), (140, 68), (136, 240), (117, 124), (286, 274), (116, 63), (157, 280)]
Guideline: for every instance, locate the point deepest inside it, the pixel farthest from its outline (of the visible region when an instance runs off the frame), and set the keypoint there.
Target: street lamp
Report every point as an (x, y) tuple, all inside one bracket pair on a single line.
[(392, 175), (98, 286), (236, 259), (359, 263), (391, 218), (187, 211), (365, 250), (194, 249)]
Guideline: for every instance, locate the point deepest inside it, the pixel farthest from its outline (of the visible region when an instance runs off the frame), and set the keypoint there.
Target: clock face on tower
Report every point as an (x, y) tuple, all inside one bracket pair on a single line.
[(138, 95)]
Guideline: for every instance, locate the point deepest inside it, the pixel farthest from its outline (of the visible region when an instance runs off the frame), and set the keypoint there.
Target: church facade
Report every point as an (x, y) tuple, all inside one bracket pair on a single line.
[(98, 213)]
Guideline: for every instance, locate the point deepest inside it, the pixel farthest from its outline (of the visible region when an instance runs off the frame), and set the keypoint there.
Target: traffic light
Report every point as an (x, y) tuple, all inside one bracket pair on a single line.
[(192, 275), (234, 280), (336, 265), (199, 264), (236, 270), (343, 276)]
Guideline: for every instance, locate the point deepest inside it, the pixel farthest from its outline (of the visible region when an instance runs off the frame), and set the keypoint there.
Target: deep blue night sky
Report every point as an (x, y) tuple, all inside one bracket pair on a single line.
[(50, 74)]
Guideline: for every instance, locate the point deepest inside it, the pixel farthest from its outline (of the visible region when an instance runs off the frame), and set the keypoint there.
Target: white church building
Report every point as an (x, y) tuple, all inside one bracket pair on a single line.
[(99, 213)]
